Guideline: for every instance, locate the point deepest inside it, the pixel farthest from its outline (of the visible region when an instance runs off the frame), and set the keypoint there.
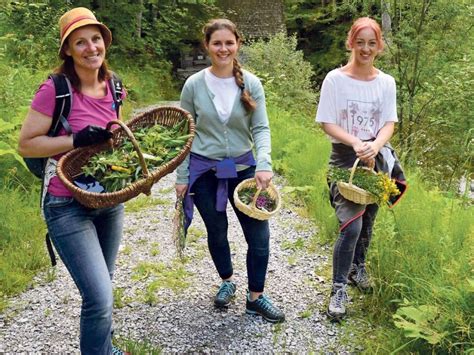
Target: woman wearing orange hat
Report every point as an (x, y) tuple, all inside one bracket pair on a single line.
[(87, 240)]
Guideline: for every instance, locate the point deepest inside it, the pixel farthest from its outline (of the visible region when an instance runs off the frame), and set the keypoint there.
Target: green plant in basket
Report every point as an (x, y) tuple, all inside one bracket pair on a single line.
[(114, 169), (264, 201), (378, 184)]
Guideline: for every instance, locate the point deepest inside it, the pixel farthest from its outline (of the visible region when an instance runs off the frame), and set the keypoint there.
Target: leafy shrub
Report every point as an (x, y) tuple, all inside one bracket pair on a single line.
[(285, 74), (29, 33)]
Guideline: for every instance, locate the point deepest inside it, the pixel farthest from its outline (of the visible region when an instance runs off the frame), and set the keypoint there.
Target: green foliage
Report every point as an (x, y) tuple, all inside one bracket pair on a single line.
[(151, 30), (136, 347), (285, 74), (321, 28), (300, 153), (418, 322), (158, 276), (22, 248), (428, 55), (29, 34), (421, 255)]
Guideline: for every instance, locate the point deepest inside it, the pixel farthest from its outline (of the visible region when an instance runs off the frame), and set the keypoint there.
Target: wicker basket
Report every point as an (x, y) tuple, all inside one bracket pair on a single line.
[(70, 165), (250, 209), (354, 193)]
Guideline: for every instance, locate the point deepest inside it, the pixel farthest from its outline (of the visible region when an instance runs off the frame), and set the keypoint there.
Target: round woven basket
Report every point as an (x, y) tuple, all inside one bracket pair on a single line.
[(251, 210), (70, 165), (354, 193)]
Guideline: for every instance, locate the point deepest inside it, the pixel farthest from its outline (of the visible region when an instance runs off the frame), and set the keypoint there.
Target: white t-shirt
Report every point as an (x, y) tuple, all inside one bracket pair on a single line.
[(360, 107), (225, 91)]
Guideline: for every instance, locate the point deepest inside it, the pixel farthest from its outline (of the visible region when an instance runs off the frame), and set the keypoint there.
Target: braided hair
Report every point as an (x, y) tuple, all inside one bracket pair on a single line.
[(221, 24)]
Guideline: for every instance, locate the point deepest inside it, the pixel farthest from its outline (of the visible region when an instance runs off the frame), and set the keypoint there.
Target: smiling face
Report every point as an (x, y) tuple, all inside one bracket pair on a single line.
[(223, 47), (86, 47), (365, 47)]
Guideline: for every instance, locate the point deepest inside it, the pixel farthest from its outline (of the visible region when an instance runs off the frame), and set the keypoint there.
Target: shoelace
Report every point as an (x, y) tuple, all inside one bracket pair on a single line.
[(266, 304), (225, 289), (340, 296), (361, 273)]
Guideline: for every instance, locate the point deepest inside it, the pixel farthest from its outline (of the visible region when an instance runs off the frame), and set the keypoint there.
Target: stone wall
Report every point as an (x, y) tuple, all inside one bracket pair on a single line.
[(255, 18)]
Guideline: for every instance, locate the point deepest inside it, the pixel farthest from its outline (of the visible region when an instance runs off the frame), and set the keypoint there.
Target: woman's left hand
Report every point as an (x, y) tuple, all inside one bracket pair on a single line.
[(263, 179)]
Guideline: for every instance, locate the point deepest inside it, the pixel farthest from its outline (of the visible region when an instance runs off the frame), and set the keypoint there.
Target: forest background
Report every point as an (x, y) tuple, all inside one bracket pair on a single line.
[(422, 251)]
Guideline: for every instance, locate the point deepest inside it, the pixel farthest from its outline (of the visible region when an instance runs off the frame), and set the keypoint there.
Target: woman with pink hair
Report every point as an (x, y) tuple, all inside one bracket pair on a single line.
[(358, 111)]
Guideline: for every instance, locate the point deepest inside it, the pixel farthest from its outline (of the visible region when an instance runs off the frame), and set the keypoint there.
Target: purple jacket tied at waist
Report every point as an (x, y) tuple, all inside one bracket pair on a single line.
[(225, 169)]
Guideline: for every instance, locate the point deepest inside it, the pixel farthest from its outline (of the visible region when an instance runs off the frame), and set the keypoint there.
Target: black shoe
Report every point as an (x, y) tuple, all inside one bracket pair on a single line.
[(225, 294), (359, 277), (263, 306)]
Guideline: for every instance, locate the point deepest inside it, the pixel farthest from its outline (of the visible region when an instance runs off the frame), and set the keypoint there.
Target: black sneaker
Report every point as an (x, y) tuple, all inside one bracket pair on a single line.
[(225, 294), (263, 306), (359, 277)]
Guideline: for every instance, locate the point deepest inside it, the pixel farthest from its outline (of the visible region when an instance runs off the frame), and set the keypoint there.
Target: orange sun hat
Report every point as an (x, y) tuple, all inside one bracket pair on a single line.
[(80, 17)]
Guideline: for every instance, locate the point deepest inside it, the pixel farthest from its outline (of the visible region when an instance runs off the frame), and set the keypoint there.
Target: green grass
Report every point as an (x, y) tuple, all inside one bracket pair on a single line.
[(421, 255), (300, 152), (160, 276), (136, 347), (22, 244), (143, 202)]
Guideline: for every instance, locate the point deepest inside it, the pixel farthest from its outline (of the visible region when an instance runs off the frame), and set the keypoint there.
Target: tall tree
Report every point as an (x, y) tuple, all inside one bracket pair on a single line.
[(427, 51)]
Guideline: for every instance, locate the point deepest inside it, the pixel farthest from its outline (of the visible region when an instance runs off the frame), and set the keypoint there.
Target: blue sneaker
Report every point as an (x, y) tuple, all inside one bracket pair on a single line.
[(117, 351), (225, 294), (264, 307)]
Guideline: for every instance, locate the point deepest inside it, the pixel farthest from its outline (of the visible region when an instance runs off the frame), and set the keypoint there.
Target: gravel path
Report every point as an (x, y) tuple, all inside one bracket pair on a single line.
[(168, 303)]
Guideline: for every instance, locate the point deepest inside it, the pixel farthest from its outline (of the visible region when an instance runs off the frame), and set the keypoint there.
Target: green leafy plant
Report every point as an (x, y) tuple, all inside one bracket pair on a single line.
[(285, 74), (117, 168), (419, 322)]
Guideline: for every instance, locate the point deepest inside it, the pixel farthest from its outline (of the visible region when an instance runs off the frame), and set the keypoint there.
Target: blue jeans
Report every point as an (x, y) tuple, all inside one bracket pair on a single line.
[(352, 244), (87, 240), (257, 233)]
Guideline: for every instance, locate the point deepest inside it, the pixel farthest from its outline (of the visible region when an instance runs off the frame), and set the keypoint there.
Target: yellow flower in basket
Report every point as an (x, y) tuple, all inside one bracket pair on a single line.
[(362, 185)]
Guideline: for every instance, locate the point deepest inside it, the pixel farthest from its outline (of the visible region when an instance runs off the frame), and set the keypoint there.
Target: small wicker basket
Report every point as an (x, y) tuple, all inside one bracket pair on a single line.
[(354, 193), (70, 165), (251, 210)]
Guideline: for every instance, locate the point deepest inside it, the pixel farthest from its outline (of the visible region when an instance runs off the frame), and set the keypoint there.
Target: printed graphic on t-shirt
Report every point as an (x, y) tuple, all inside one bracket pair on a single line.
[(361, 119)]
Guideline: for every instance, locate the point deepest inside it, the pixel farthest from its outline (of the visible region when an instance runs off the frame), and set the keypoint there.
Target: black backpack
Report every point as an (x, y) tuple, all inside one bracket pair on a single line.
[(62, 108)]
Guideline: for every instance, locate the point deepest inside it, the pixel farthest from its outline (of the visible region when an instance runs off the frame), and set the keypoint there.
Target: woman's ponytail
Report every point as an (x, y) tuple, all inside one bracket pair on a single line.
[(247, 100)]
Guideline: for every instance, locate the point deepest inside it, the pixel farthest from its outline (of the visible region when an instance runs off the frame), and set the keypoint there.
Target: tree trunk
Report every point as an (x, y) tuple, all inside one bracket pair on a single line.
[(139, 19)]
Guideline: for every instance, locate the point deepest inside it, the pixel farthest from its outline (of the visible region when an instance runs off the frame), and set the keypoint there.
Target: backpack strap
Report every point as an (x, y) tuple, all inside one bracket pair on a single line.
[(62, 108), (63, 105), (115, 84)]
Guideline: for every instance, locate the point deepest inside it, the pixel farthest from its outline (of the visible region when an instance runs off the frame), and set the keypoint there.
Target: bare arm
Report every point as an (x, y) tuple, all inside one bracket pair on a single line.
[(341, 135), (34, 141)]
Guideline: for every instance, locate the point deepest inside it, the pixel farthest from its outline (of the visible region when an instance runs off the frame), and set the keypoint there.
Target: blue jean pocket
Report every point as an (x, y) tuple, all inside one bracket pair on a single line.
[(57, 201)]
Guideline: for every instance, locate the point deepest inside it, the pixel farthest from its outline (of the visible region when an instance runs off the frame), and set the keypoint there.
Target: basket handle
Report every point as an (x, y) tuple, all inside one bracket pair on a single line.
[(255, 197), (353, 170), (130, 135), (371, 166)]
